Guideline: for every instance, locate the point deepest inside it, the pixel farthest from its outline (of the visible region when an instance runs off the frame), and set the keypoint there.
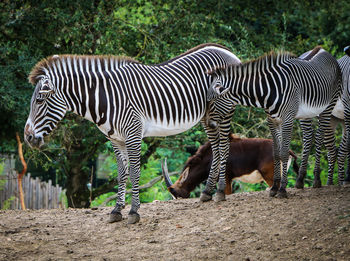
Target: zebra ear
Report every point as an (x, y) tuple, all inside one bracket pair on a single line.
[(216, 90), (220, 90)]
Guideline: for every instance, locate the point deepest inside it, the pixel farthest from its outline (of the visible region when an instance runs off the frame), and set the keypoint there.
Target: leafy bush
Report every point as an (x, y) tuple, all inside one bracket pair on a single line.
[(152, 32)]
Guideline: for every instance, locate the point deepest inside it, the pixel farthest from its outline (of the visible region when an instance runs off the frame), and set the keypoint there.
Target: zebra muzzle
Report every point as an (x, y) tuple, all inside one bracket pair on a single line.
[(36, 142), (32, 141)]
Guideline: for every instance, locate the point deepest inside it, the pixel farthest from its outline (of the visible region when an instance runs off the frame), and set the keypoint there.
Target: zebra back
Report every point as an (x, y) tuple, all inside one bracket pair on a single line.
[(280, 81)]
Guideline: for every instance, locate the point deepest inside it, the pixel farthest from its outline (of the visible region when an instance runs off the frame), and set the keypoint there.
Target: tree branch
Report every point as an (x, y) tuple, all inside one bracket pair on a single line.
[(108, 187), (20, 175), (143, 187), (151, 149)]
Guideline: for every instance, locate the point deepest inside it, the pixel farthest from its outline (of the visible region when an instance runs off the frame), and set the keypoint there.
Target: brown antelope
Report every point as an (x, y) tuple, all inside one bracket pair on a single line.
[(250, 160)]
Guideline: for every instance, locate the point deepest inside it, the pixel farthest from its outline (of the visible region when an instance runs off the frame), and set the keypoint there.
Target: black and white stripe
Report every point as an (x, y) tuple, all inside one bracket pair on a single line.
[(344, 149), (127, 100), (287, 88)]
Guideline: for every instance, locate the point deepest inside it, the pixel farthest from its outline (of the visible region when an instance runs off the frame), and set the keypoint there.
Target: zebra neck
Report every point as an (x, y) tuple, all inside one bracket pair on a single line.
[(84, 97), (257, 83), (81, 81)]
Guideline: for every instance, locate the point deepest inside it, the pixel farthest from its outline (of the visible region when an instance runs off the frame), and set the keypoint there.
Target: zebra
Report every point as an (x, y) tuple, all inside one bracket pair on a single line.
[(287, 88), (127, 100), (345, 66), (337, 118)]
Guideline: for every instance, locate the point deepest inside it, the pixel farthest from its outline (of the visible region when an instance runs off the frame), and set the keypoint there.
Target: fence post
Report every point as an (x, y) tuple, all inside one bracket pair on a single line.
[(49, 193), (13, 190), (26, 187)]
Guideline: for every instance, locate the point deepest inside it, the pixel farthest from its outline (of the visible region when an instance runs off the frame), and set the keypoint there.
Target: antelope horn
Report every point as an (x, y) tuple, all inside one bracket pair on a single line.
[(166, 174)]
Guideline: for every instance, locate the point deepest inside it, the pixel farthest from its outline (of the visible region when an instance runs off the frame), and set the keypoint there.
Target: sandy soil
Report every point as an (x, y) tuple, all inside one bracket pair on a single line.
[(312, 224)]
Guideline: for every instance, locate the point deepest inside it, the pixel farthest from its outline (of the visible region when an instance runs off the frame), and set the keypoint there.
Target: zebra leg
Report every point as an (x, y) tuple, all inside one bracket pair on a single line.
[(317, 170), (342, 152), (122, 160), (308, 133), (224, 151), (213, 137), (347, 130), (329, 141), (276, 137), (287, 127), (133, 146), (347, 179)]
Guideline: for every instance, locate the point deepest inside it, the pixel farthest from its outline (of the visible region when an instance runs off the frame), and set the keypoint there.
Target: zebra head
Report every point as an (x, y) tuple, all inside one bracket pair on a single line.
[(218, 105), (46, 110), (218, 85)]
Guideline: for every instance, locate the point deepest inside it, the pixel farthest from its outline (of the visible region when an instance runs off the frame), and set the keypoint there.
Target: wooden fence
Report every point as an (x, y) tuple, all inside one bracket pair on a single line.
[(37, 194)]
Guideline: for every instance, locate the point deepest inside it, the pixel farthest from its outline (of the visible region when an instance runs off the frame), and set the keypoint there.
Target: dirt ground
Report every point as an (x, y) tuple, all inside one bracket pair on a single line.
[(312, 224)]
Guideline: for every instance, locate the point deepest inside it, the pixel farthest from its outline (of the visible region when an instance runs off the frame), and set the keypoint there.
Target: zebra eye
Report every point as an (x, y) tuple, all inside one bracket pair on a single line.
[(39, 100)]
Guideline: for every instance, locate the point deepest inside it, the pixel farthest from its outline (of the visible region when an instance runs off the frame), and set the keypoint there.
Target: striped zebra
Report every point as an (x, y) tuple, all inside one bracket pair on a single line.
[(345, 66), (127, 100), (336, 119), (287, 88)]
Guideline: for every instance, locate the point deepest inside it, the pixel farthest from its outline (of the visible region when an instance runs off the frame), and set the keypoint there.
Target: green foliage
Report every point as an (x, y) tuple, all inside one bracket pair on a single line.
[(7, 203), (152, 32), (100, 199), (63, 199)]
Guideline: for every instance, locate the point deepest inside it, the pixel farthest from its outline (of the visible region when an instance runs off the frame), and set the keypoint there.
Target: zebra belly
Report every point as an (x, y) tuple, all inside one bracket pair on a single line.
[(306, 111), (338, 110), (159, 129)]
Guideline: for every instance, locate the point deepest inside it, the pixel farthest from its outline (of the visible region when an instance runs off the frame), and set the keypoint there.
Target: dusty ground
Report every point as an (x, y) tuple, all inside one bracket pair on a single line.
[(312, 224)]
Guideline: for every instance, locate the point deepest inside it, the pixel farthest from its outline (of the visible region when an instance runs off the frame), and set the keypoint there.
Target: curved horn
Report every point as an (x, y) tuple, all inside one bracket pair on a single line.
[(166, 174), (168, 180)]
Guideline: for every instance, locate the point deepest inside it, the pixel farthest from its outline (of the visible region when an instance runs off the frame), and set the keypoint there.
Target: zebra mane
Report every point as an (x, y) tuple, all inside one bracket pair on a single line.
[(42, 66), (270, 58), (312, 53), (192, 50)]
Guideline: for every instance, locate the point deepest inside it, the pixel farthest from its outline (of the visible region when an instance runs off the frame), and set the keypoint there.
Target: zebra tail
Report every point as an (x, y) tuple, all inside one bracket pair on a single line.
[(295, 164)]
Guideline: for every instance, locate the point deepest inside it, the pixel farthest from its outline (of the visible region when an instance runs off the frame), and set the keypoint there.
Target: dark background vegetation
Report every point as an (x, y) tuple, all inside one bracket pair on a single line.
[(152, 32)]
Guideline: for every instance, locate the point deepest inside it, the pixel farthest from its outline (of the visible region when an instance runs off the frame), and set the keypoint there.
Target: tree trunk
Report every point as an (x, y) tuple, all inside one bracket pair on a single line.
[(77, 191), (82, 146)]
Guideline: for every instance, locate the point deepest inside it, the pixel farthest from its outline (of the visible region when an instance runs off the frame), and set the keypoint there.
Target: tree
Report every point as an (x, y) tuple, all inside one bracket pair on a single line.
[(152, 32)]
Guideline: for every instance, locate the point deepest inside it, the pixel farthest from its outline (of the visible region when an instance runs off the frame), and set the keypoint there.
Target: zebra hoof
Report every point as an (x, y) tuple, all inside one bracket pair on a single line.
[(115, 217), (282, 194), (317, 184), (330, 183), (299, 184), (133, 218), (219, 196), (273, 192), (205, 197)]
